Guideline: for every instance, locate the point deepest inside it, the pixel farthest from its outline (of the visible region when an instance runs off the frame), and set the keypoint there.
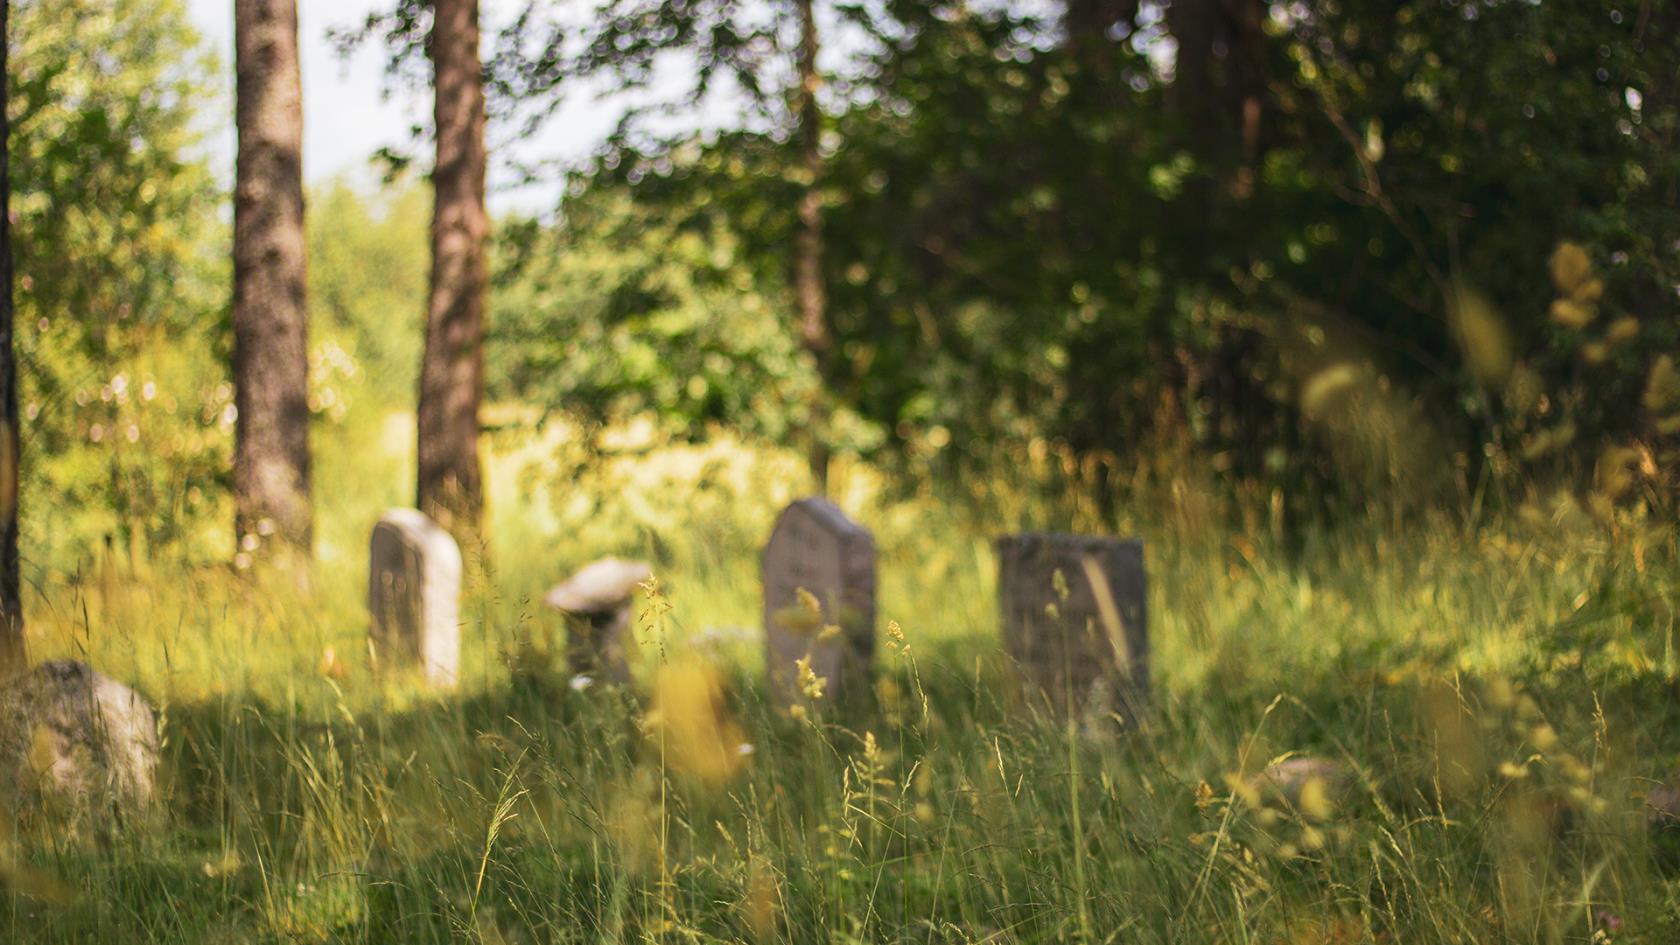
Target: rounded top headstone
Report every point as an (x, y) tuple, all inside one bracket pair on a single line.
[(599, 587), (417, 526)]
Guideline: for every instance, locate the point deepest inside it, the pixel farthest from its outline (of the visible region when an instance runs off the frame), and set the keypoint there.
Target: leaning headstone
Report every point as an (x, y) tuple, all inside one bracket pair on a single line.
[(817, 550), (414, 595), (1075, 620), (75, 741), (596, 602)]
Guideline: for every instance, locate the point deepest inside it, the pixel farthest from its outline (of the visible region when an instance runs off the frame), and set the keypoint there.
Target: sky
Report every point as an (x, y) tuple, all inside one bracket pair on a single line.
[(347, 116)]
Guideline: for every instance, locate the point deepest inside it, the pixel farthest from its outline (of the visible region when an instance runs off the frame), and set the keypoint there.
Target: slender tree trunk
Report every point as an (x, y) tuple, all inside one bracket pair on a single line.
[(452, 369), (1086, 23), (12, 654), (1217, 94), (809, 289), (270, 310), (1248, 17), (1218, 83)]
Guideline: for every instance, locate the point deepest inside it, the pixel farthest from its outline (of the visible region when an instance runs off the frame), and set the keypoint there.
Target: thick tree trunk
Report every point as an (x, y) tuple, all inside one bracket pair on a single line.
[(270, 310), (12, 655), (452, 369), (810, 292)]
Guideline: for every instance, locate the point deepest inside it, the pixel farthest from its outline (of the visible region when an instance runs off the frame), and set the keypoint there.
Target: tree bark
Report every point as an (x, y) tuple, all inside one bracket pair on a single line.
[(1086, 23), (452, 368), (1218, 83), (810, 292), (272, 509), (12, 652)]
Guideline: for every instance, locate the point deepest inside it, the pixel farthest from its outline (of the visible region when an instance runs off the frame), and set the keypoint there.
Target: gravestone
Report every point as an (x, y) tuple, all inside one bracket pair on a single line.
[(77, 742), (816, 548), (596, 602), (414, 595), (1075, 620)]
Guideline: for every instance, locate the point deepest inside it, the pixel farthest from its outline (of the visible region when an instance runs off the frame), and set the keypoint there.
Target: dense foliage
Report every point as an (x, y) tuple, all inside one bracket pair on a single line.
[(1034, 247), (124, 392), (625, 310), (1400, 251), (122, 287)]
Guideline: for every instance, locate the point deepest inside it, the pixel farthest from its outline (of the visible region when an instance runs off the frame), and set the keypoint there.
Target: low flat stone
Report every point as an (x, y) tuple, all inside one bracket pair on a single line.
[(1289, 776), (600, 587), (1662, 803), (75, 740)]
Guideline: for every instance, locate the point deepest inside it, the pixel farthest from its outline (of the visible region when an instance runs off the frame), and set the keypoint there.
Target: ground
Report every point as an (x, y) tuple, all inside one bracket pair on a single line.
[(1502, 690)]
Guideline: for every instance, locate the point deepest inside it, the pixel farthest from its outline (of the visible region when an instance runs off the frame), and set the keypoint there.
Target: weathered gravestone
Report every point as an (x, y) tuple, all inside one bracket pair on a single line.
[(414, 595), (815, 548), (1075, 620), (76, 742), (596, 602)]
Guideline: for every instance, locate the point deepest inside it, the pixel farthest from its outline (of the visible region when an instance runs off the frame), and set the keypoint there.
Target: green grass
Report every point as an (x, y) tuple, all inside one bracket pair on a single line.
[(1503, 690)]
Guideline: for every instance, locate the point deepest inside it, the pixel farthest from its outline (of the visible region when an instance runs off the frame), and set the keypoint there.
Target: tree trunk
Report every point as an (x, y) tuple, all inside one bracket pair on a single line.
[(1218, 83), (810, 292), (270, 312), (1086, 24), (1217, 94), (12, 654), (452, 368)]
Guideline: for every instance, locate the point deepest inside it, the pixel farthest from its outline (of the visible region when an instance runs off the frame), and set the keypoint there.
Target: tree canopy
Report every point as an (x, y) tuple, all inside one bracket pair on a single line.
[(1426, 246), (1031, 239)]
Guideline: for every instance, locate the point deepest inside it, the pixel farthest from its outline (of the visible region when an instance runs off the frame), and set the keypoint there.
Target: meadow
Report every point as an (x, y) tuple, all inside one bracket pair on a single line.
[(1502, 690), (1360, 315)]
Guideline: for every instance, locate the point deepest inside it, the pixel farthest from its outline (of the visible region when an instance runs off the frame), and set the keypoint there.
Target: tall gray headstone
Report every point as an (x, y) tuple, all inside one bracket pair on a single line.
[(816, 548), (1076, 621), (414, 595)]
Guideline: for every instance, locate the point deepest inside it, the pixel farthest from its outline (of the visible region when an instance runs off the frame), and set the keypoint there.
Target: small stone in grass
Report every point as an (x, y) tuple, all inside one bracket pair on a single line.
[(76, 742), (1306, 782)]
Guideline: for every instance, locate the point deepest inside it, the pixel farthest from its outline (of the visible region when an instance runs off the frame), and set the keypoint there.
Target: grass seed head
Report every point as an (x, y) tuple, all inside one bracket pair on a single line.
[(700, 737)]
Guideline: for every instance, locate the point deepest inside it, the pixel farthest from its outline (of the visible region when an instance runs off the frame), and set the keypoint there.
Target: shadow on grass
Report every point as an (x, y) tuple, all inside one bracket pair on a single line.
[(949, 809)]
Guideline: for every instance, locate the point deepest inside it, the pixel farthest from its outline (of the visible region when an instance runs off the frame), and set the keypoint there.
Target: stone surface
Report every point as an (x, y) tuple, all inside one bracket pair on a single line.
[(1662, 803), (599, 587), (1084, 645), (1288, 777), (816, 548), (414, 595), (72, 739), (596, 601)]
